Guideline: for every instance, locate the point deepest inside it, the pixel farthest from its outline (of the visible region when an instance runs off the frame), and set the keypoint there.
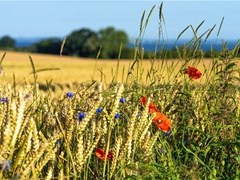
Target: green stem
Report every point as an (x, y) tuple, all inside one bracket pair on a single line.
[(107, 149)]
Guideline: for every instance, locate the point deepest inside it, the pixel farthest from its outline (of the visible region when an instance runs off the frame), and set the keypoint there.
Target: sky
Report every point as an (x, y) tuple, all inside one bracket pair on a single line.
[(60, 18)]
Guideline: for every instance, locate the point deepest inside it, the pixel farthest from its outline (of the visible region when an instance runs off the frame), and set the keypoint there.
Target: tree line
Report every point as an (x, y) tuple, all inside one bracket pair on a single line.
[(107, 43), (82, 43)]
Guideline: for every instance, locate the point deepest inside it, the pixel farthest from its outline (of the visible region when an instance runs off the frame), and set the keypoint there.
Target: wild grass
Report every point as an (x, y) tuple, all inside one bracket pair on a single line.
[(46, 135)]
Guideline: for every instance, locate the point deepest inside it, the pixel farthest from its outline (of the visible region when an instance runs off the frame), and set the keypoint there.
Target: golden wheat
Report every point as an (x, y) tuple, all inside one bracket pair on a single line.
[(116, 158)]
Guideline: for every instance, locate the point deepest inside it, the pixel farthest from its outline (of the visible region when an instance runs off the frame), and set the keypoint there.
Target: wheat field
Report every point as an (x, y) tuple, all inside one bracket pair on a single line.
[(66, 134), (65, 69), (71, 69)]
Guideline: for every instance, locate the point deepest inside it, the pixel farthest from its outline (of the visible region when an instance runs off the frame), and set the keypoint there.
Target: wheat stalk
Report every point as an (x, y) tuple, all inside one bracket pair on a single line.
[(24, 146), (18, 123), (4, 148), (90, 149), (150, 144), (142, 121), (79, 152), (116, 155), (31, 162), (84, 122), (49, 173), (50, 155), (145, 131), (131, 125), (116, 103)]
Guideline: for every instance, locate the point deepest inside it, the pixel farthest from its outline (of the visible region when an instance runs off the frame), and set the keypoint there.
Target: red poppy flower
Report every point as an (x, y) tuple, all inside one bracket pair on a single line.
[(152, 107), (100, 153), (144, 100), (162, 122), (193, 73)]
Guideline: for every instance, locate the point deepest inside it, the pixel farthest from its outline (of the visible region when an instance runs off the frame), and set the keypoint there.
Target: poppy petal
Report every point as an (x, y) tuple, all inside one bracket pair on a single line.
[(152, 108), (144, 100), (162, 122), (193, 73), (100, 153)]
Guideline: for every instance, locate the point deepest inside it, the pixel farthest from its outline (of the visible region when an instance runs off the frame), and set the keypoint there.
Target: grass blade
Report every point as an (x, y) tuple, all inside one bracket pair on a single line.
[(2, 58), (45, 69), (209, 33), (200, 25), (149, 15), (160, 12), (62, 45), (181, 33), (33, 67), (220, 27), (141, 22)]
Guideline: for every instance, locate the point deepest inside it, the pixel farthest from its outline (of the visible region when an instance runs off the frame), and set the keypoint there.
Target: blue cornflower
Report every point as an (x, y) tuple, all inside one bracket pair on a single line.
[(123, 100), (99, 110), (117, 115), (69, 94), (4, 100), (81, 115), (167, 133), (6, 165), (139, 114), (185, 140), (58, 142)]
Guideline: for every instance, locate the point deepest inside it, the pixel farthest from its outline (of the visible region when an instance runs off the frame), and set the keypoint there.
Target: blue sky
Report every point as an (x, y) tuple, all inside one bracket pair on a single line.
[(59, 18)]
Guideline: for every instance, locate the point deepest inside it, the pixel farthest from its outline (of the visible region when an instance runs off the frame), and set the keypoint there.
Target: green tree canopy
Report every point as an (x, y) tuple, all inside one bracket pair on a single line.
[(83, 42), (7, 42), (48, 46), (111, 41)]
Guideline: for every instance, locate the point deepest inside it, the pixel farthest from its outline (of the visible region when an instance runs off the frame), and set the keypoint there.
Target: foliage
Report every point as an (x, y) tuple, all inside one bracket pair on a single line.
[(7, 42), (47, 46), (83, 43), (109, 131), (111, 41), (87, 43)]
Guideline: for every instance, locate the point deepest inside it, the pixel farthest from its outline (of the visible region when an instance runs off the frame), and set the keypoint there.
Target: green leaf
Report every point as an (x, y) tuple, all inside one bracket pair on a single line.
[(230, 66)]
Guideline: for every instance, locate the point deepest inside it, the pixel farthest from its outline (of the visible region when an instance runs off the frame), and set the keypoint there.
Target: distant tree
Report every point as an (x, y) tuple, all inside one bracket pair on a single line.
[(83, 42), (111, 41), (7, 42), (47, 46)]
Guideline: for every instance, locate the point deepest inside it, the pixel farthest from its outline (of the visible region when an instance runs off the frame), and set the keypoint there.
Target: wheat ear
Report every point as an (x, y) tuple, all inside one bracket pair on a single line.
[(116, 155), (83, 124), (18, 123)]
